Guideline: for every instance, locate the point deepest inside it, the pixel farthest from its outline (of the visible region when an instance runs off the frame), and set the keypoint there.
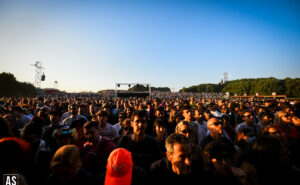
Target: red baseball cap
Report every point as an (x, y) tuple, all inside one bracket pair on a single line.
[(119, 167)]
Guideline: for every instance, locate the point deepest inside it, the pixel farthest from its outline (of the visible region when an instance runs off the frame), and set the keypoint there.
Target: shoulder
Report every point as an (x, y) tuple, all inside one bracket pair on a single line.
[(148, 137), (124, 140), (105, 140), (159, 166)]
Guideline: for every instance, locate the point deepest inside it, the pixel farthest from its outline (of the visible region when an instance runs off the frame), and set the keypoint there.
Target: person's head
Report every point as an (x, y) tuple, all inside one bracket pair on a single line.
[(160, 126), (179, 118), (32, 132), (91, 131), (156, 101), (198, 115), (214, 125), (78, 126), (245, 135), (184, 128), (296, 121), (93, 108), (139, 122), (271, 131), (225, 119), (102, 117), (281, 118), (63, 136), (129, 111), (179, 153), (126, 127), (82, 109), (122, 116), (296, 116), (268, 155), (13, 152), (266, 118), (66, 163), (187, 113), (159, 113), (54, 117), (217, 157), (17, 111), (119, 167), (247, 117), (107, 108), (73, 109), (223, 109), (173, 114)]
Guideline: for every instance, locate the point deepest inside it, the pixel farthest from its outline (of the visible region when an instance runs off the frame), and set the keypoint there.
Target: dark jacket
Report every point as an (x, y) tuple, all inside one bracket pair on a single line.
[(162, 173)]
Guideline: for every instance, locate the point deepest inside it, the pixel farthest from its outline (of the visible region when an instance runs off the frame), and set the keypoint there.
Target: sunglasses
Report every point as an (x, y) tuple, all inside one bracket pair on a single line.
[(247, 116), (127, 128), (218, 123), (186, 131)]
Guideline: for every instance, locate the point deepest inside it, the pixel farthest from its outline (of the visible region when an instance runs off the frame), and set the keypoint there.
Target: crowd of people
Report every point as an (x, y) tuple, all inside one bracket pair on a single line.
[(164, 139)]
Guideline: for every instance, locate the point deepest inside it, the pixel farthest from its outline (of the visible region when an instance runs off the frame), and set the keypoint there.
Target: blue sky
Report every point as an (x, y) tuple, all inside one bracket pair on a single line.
[(91, 45)]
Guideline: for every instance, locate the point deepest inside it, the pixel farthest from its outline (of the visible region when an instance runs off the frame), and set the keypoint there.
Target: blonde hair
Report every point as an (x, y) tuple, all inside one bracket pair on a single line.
[(182, 123), (277, 117), (66, 155)]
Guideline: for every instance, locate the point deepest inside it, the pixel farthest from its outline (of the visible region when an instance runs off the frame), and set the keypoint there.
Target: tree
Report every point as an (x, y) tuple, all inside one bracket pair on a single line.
[(11, 87)]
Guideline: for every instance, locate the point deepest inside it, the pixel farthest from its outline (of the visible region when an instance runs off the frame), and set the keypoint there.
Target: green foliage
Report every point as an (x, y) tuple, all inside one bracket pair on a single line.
[(209, 88), (142, 88), (263, 86), (9, 86)]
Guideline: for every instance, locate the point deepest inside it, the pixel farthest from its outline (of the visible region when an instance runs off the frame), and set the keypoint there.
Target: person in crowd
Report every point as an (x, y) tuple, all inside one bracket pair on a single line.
[(250, 123), (160, 128), (126, 130), (121, 118), (186, 129), (217, 157), (144, 148), (201, 124), (66, 168), (96, 149), (13, 159), (74, 115), (21, 120), (216, 133), (268, 163), (266, 118), (187, 113), (63, 136), (177, 167), (106, 129), (78, 134), (287, 131), (120, 170), (47, 130)]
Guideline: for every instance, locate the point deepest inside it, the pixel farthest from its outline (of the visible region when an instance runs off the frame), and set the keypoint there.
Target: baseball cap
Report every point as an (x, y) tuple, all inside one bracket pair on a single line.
[(216, 114), (119, 167)]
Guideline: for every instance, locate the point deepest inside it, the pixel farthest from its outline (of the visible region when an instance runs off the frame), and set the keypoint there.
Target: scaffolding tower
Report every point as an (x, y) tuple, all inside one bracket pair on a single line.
[(39, 75)]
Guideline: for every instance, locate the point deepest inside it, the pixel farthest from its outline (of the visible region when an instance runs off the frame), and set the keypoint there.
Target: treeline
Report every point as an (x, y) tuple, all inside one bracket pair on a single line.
[(9, 86), (207, 88), (142, 88), (263, 86)]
